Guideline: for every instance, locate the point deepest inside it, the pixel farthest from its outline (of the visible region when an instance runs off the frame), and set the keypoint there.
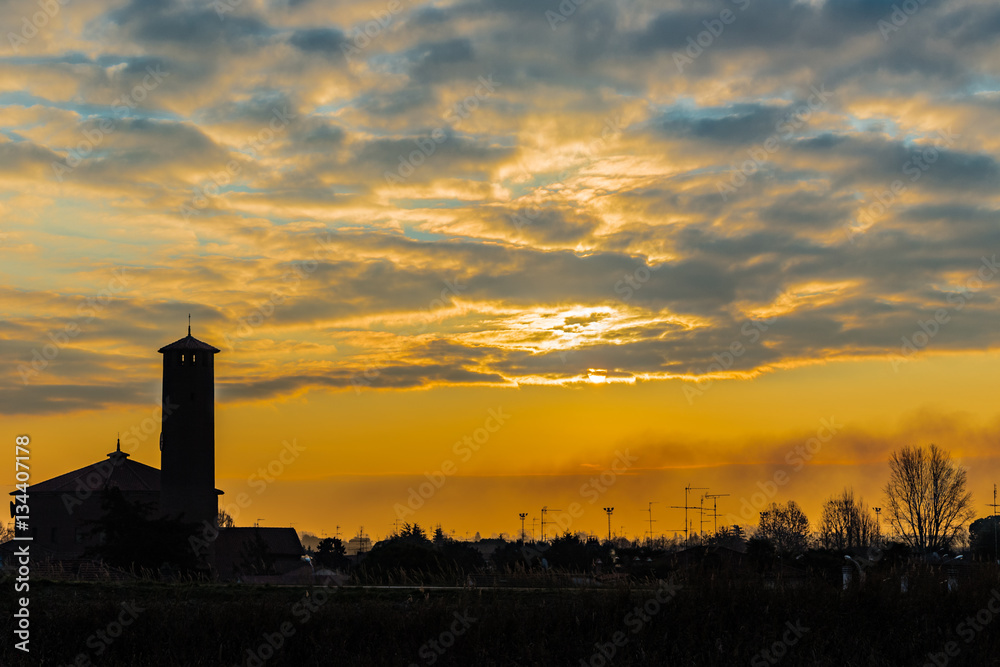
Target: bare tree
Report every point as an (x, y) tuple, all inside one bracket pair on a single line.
[(784, 526), (846, 523), (927, 500)]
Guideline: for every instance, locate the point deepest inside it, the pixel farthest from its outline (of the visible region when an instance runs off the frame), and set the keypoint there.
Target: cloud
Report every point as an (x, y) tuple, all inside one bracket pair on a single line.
[(592, 207)]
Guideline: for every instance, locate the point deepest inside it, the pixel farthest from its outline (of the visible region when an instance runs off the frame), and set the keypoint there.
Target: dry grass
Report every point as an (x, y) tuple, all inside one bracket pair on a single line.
[(712, 620)]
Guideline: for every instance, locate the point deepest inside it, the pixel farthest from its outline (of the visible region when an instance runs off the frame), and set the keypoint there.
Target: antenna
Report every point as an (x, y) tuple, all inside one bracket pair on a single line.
[(544, 510), (189, 324), (715, 507), (996, 554), (686, 506)]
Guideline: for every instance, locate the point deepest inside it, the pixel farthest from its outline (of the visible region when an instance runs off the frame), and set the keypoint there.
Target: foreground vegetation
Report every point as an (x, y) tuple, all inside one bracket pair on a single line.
[(692, 618)]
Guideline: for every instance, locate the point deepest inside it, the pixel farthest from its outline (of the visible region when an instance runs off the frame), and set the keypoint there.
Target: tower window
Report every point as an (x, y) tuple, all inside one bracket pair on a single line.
[(183, 358), (193, 359)]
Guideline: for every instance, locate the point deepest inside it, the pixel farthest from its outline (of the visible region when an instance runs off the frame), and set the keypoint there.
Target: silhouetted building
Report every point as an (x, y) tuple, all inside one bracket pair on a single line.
[(252, 553), (64, 508), (358, 545), (187, 435)]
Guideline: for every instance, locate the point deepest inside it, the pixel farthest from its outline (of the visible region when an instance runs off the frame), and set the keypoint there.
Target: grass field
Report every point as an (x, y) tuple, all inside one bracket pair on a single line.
[(694, 621)]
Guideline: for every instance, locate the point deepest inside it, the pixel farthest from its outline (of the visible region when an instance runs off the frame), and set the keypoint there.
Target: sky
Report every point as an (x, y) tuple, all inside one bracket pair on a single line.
[(466, 259)]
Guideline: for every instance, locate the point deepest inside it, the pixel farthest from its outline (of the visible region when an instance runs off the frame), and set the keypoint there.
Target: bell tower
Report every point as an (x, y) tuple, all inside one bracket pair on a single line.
[(187, 432)]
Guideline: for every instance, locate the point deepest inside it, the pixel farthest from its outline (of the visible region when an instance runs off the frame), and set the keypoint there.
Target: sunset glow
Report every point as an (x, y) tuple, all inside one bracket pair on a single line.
[(472, 235)]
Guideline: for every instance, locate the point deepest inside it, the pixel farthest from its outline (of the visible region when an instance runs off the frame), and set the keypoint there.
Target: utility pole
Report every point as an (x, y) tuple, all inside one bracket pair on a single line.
[(878, 522), (715, 507), (523, 516), (544, 511), (609, 510), (650, 510), (996, 553), (687, 506), (534, 522)]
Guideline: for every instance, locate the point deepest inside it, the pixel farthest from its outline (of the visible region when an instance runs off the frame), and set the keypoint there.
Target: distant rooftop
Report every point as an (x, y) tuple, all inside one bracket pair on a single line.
[(280, 541)]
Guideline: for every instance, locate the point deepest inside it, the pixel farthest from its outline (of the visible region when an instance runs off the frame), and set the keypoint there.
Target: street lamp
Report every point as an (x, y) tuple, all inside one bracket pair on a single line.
[(523, 516), (609, 510), (878, 523)]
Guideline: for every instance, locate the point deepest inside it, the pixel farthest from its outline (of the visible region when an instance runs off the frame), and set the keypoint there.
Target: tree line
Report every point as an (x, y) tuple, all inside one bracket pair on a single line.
[(927, 507)]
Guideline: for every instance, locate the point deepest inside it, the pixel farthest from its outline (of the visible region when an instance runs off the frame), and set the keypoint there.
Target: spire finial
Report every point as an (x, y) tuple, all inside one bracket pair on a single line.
[(118, 455), (189, 324)]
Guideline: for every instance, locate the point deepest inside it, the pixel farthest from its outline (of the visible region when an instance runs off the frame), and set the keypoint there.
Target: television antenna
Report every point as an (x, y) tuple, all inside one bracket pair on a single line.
[(544, 511), (649, 509), (687, 506), (996, 554), (715, 507)]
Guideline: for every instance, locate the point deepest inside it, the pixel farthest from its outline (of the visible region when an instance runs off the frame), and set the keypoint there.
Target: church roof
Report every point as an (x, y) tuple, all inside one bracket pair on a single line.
[(118, 472), (189, 342)]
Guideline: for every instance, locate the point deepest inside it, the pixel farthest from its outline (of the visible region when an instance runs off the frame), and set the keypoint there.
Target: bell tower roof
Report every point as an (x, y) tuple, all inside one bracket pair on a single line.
[(189, 342)]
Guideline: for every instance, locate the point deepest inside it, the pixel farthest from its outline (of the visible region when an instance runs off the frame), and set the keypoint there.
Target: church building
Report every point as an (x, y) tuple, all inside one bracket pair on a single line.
[(64, 508)]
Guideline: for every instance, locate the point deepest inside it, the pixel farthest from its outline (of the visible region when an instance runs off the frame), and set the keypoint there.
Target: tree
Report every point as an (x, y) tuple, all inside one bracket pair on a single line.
[(410, 556), (983, 537), (128, 538), (927, 501), (729, 537), (414, 534), (225, 520), (331, 553), (846, 523), (784, 526), (6, 532), (256, 557)]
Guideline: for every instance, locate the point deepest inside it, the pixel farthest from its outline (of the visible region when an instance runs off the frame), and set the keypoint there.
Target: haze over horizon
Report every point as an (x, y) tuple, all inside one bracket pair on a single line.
[(696, 237)]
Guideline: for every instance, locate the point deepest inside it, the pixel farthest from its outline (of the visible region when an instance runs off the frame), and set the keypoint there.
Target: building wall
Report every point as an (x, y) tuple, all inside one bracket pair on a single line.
[(60, 523)]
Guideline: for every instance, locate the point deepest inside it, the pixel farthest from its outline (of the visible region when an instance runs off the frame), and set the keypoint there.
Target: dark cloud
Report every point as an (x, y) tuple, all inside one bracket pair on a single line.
[(175, 23), (739, 124), (326, 41)]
